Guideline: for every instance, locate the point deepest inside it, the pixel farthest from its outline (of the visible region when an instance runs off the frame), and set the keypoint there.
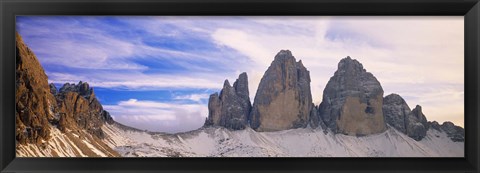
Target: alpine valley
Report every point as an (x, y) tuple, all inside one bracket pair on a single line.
[(354, 119)]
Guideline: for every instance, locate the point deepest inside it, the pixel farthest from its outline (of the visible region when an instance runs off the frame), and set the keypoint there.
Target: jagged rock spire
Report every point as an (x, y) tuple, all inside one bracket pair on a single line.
[(231, 108), (283, 99)]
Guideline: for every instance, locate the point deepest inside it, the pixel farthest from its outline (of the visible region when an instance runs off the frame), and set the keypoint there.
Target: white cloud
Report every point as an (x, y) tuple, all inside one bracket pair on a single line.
[(140, 81), (193, 97), (159, 116)]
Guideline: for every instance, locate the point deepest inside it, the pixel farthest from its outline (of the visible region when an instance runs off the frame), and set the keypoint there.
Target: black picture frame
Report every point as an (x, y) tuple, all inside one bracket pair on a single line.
[(470, 9)]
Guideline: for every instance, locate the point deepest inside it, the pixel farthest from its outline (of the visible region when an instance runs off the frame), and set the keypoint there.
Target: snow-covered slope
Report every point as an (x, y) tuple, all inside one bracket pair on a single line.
[(69, 144), (220, 142)]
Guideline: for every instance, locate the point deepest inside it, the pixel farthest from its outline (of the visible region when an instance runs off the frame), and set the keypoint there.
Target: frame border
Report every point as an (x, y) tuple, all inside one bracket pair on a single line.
[(470, 9)]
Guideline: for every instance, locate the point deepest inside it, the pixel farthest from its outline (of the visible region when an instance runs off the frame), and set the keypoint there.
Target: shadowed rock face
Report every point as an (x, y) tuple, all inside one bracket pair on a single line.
[(396, 112), (283, 99), (232, 108), (456, 133), (32, 98), (399, 116), (352, 101), (417, 126)]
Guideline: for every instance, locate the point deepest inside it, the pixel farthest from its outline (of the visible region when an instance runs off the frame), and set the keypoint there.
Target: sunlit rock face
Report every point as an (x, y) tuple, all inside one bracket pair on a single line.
[(78, 108), (34, 103), (352, 101), (232, 107), (283, 99)]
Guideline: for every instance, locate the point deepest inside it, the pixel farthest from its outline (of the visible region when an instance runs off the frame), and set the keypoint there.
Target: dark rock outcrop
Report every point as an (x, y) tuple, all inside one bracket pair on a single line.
[(33, 100), (283, 99), (398, 115), (417, 126), (232, 107), (455, 133), (314, 118), (396, 112), (352, 101)]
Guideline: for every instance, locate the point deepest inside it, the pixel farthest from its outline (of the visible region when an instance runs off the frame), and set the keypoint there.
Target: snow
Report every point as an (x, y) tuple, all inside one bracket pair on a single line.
[(59, 144), (307, 142)]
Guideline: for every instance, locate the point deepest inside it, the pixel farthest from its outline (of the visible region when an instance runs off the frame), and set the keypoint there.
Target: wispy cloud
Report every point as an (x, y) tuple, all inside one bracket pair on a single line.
[(193, 97)]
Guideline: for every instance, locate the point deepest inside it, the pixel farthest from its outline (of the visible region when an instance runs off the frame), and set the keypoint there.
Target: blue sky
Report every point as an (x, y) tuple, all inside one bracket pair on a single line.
[(157, 72)]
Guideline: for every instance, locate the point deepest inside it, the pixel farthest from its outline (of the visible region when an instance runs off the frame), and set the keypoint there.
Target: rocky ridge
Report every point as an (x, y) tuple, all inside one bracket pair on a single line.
[(352, 104), (398, 115), (79, 108), (42, 109)]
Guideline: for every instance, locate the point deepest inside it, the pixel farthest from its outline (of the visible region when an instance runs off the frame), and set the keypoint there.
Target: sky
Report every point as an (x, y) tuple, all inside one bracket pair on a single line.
[(156, 72)]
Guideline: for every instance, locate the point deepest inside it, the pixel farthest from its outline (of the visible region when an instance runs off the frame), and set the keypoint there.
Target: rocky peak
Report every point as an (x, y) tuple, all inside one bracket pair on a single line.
[(241, 86), (396, 112), (455, 133), (398, 115), (283, 98), (82, 88), (352, 101), (418, 114), (53, 89), (80, 109), (350, 65), (232, 107)]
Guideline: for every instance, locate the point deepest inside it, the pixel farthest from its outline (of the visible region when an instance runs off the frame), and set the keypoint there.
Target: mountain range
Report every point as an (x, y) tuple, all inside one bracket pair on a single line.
[(353, 119)]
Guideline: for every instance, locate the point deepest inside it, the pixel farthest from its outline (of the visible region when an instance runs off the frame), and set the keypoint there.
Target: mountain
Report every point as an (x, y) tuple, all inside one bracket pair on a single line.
[(354, 119), (283, 99), (232, 108), (398, 114), (299, 142), (65, 123), (352, 101)]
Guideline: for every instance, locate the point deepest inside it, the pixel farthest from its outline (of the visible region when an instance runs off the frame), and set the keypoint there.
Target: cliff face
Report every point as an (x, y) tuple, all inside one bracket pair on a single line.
[(41, 109), (79, 108), (283, 99), (352, 101), (34, 102), (232, 108)]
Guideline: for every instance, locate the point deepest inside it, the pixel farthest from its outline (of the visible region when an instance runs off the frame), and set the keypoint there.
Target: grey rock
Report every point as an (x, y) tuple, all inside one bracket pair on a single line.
[(283, 99), (456, 133), (352, 101), (314, 118), (53, 89), (81, 88), (232, 107), (434, 125), (419, 116), (397, 113), (417, 124)]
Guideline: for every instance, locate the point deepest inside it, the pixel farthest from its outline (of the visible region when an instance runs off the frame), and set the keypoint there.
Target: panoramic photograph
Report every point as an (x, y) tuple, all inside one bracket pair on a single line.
[(239, 86)]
